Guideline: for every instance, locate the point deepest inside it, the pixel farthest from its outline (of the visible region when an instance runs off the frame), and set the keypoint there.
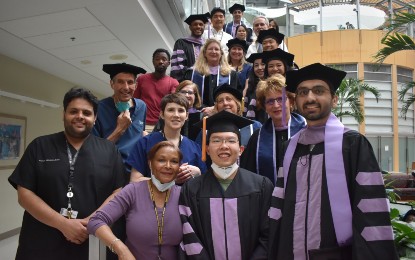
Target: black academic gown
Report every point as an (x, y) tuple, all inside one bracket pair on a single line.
[(44, 170), (231, 224), (210, 85), (312, 221), (182, 59)]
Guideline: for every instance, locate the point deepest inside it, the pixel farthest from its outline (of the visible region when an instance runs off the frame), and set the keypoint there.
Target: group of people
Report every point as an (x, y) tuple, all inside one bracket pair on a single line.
[(235, 155)]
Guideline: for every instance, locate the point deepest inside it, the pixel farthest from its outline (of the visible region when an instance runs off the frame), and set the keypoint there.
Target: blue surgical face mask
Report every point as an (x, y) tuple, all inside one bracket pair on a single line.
[(122, 106)]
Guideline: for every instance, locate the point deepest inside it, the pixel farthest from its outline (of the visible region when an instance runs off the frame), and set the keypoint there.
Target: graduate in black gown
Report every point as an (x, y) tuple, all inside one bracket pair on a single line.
[(225, 211), (329, 201), (186, 50)]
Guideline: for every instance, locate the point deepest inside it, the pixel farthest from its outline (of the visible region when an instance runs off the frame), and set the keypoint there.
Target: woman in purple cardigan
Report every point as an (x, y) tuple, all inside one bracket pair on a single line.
[(154, 229)]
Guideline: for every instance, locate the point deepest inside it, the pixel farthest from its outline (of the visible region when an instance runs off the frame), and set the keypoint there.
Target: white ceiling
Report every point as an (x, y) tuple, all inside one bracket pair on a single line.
[(72, 39)]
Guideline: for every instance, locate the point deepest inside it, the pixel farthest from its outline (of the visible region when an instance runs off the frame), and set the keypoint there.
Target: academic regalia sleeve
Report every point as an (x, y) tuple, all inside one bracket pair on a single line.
[(261, 250), (275, 215), (179, 61), (248, 157), (372, 231), (191, 247)]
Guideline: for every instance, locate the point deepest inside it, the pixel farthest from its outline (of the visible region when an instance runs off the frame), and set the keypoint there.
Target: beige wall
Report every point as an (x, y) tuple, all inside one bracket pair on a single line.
[(343, 46), (18, 78)]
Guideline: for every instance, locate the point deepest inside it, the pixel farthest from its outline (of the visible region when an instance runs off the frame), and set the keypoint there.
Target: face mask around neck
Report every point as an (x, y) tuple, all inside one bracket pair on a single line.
[(122, 106), (161, 186), (224, 172)]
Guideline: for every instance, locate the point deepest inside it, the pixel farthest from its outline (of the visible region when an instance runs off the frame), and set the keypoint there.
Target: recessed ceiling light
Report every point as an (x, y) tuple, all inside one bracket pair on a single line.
[(118, 57), (86, 62)]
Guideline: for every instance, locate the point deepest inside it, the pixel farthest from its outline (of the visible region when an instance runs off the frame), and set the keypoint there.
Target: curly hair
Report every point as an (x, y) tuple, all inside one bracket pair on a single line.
[(273, 84)]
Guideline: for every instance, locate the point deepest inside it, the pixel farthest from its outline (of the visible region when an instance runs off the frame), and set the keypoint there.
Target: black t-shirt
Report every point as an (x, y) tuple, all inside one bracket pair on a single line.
[(44, 169)]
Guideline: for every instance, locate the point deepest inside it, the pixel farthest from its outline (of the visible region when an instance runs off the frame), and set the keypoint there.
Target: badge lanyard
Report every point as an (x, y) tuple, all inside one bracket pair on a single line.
[(160, 224), (72, 160)]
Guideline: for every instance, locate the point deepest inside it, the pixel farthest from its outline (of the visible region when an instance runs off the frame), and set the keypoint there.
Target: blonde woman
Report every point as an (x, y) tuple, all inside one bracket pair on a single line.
[(211, 71)]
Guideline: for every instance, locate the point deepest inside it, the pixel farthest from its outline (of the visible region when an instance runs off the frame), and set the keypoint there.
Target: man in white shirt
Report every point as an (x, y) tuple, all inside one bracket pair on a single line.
[(217, 16), (261, 23)]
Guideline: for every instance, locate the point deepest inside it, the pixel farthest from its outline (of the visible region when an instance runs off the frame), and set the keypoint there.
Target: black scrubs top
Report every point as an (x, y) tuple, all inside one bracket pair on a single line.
[(44, 169)]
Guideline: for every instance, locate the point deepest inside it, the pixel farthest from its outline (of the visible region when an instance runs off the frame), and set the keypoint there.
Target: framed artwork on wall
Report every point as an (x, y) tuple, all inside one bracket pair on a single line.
[(12, 140)]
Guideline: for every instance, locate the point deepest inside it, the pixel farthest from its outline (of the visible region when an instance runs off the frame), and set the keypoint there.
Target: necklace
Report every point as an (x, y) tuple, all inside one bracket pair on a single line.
[(160, 224)]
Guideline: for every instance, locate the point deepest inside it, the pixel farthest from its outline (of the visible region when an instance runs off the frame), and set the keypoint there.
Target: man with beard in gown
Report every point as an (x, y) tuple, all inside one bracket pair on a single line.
[(329, 201)]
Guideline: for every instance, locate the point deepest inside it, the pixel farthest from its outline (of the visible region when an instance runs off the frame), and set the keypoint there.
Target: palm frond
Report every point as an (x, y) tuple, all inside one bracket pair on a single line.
[(394, 43), (409, 101), (401, 19)]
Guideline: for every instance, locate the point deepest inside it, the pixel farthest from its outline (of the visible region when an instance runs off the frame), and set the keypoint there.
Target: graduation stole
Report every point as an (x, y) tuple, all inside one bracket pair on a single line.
[(336, 177), (199, 80), (263, 149), (196, 43)]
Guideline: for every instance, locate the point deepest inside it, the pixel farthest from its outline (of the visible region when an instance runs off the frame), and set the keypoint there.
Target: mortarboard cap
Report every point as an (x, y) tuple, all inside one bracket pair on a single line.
[(236, 41), (331, 76), (227, 89), (255, 56), (225, 121), (194, 17), (220, 122), (270, 33), (235, 7), (114, 69), (215, 10), (278, 54)]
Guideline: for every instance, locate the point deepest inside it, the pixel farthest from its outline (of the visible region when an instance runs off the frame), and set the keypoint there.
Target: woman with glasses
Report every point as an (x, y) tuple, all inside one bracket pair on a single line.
[(174, 113), (151, 207), (264, 149), (191, 92)]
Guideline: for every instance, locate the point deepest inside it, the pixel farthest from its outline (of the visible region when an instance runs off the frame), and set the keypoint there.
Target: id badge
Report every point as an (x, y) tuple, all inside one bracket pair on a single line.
[(71, 214)]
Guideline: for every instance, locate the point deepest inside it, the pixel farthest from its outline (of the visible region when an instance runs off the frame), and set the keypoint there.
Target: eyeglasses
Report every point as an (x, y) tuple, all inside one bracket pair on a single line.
[(189, 92), (222, 100), (271, 101), (317, 90), (219, 141)]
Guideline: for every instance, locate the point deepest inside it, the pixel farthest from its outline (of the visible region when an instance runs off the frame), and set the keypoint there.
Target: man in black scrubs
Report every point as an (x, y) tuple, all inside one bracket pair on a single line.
[(225, 211), (62, 179)]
